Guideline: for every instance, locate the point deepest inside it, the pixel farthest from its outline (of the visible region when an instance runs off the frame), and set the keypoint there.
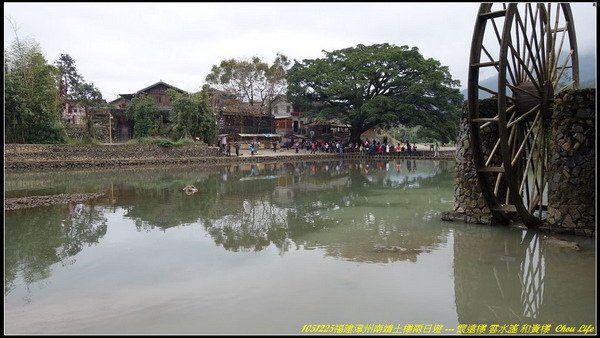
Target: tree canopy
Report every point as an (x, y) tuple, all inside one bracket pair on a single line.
[(32, 106), (378, 85), (73, 87), (68, 77), (252, 81), (142, 110), (193, 115)]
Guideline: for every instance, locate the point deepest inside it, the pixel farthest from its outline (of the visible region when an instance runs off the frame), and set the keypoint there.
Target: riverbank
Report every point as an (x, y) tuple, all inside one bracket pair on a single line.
[(42, 156), (40, 201)]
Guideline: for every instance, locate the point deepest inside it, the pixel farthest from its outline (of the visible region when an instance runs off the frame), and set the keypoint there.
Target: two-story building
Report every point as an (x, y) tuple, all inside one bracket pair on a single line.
[(73, 112), (241, 121), (123, 126)]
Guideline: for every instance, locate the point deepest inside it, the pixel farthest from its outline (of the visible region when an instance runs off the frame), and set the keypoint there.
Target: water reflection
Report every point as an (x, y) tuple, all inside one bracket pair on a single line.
[(328, 205), (309, 222), (507, 276), (353, 209), (251, 206), (45, 236)]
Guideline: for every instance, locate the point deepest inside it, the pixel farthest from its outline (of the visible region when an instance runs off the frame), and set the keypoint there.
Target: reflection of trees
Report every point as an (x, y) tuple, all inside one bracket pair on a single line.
[(20, 184), (83, 227), (167, 206), (37, 238), (502, 277), (251, 206), (334, 206), (254, 226), (354, 225)]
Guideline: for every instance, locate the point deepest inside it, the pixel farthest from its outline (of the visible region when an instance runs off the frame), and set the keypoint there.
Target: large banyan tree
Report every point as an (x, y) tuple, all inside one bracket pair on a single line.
[(377, 86)]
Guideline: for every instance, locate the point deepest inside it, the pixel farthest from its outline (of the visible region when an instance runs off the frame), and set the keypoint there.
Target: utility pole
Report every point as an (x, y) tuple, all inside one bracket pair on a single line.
[(110, 117)]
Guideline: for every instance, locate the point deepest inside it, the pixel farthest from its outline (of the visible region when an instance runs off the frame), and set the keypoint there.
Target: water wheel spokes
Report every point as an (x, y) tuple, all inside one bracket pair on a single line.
[(521, 56)]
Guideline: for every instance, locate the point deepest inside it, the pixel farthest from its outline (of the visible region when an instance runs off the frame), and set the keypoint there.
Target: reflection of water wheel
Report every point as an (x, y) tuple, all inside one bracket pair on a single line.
[(531, 50), (532, 273)]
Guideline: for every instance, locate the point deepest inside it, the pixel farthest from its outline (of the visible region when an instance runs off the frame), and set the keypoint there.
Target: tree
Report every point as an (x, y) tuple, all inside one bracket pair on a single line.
[(252, 81), (68, 77), (378, 85), (193, 115), (73, 87), (142, 111), (89, 97), (32, 106)]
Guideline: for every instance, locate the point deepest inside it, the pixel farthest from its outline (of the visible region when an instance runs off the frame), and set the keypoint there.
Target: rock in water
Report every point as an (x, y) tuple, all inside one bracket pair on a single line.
[(393, 248), (190, 189), (561, 243)]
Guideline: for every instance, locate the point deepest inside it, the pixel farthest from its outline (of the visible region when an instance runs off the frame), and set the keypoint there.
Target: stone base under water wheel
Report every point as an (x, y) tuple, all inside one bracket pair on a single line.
[(571, 170), (455, 216)]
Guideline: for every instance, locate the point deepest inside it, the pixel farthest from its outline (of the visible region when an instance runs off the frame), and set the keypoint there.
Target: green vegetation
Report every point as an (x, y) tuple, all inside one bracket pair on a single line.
[(380, 85), (32, 105), (142, 110), (252, 81), (417, 134), (74, 89), (193, 116)]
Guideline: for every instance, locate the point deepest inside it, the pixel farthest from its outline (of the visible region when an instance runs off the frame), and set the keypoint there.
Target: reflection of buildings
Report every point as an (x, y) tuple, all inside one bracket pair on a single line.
[(254, 205), (505, 276), (283, 195)]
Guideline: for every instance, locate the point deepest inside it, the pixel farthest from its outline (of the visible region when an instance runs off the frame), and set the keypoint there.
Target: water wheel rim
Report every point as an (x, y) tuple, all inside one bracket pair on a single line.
[(536, 47)]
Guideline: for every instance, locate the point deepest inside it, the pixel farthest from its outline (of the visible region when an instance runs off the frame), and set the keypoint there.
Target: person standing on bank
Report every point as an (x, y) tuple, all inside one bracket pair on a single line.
[(223, 143)]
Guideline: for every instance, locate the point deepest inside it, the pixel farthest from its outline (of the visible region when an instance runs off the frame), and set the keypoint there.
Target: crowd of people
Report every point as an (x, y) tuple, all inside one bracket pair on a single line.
[(366, 147)]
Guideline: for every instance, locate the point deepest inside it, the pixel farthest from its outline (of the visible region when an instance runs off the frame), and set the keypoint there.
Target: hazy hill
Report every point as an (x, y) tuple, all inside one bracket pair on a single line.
[(587, 76)]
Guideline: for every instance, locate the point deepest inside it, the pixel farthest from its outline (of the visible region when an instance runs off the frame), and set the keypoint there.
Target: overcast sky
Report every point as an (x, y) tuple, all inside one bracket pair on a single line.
[(122, 48)]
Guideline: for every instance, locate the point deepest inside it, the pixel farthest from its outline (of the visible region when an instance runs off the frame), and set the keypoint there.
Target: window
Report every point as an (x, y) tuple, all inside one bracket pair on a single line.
[(288, 109), (276, 110), (159, 99)]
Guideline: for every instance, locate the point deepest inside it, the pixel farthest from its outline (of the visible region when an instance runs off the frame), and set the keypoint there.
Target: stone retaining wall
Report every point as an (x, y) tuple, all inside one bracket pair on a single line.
[(572, 180), (41, 156), (15, 152), (469, 204), (44, 156)]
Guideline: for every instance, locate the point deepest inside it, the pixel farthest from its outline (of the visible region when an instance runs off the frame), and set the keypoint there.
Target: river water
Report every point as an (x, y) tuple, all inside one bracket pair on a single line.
[(357, 247)]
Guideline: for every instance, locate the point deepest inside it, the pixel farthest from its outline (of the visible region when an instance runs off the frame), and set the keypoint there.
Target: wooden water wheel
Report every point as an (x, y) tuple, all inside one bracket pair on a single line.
[(522, 55)]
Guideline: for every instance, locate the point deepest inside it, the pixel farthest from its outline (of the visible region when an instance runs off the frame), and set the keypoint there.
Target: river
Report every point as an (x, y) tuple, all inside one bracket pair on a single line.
[(273, 248)]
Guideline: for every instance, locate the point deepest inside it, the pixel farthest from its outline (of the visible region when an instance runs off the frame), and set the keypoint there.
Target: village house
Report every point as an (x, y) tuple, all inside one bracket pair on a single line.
[(286, 119), (73, 112), (236, 120), (242, 121), (123, 126)]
